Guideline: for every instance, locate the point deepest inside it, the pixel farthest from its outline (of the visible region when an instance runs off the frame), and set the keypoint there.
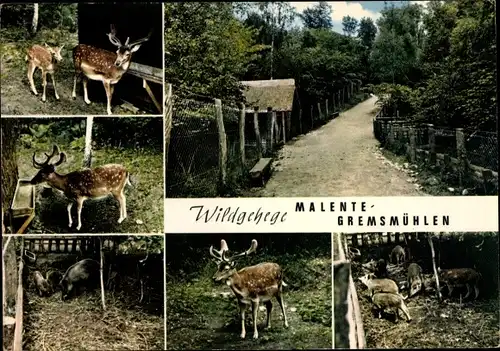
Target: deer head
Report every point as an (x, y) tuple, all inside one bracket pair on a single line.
[(46, 168), (55, 51), (226, 265), (124, 52)]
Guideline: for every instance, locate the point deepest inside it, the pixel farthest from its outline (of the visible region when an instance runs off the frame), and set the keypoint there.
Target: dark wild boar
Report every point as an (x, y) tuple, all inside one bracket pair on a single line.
[(459, 278), (388, 301), (381, 269), (84, 273), (397, 255), (414, 278)]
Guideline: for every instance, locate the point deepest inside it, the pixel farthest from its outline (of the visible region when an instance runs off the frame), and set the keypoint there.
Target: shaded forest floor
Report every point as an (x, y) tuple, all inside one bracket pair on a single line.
[(201, 315), (16, 95), (449, 324), (144, 198)]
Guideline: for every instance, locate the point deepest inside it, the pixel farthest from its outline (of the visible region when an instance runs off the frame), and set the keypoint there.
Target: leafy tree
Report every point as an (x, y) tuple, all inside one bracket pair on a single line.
[(318, 16), (349, 25), (367, 32)]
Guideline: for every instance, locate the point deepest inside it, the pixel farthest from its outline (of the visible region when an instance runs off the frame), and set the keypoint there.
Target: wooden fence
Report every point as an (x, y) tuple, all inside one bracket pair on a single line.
[(418, 143), (235, 152), (348, 324), (67, 244)]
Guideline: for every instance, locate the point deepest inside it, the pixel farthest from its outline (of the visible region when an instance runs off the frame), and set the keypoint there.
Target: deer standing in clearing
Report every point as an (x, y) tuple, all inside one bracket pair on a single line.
[(79, 186), (103, 65), (46, 58), (251, 284)]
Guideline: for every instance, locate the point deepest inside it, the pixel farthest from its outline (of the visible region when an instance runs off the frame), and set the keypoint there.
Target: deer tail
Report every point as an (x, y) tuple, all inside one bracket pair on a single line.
[(128, 179)]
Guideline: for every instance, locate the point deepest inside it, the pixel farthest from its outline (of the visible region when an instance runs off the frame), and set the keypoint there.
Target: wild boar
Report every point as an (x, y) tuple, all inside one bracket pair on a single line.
[(381, 269), (42, 285), (83, 273), (54, 277), (388, 301), (397, 255), (459, 278), (414, 278), (375, 285)]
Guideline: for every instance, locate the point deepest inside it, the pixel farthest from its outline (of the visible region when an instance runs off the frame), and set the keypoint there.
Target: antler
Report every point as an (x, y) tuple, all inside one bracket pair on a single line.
[(252, 249), (112, 37), (218, 254), (140, 41), (55, 151)]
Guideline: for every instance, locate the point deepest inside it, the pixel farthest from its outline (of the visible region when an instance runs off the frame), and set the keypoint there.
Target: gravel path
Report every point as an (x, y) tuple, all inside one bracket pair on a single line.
[(340, 158)]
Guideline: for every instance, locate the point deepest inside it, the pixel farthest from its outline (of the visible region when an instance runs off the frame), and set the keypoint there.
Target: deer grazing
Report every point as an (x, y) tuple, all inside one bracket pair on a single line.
[(103, 65), (79, 186), (251, 284), (46, 58)]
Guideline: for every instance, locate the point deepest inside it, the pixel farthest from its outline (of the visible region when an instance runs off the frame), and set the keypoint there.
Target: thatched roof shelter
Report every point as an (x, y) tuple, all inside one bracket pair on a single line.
[(276, 93)]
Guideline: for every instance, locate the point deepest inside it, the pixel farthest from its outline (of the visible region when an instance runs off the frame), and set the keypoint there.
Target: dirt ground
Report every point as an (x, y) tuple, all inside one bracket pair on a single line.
[(203, 316), (16, 95), (449, 324), (341, 158)]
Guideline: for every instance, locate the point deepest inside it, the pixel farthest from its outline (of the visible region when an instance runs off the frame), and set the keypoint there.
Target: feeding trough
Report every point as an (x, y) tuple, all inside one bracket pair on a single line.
[(23, 205)]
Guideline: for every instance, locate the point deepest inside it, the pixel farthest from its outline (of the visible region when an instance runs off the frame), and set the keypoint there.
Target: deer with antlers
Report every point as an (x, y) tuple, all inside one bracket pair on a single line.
[(103, 65), (79, 186), (251, 284), (46, 58)]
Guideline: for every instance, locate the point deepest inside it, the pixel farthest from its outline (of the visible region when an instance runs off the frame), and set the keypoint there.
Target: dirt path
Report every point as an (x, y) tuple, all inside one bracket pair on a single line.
[(338, 159)]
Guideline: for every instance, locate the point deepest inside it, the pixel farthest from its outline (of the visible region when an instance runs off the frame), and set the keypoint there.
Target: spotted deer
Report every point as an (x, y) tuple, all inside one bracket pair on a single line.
[(251, 284), (79, 186), (103, 65), (46, 58)]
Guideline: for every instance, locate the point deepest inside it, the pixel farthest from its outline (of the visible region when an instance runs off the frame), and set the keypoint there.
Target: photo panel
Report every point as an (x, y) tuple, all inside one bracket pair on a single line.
[(310, 100), (212, 278), (416, 290), (83, 292), (82, 59), (83, 175)]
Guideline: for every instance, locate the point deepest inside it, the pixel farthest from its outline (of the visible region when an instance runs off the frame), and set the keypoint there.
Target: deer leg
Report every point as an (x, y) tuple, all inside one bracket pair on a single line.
[(75, 78), (476, 291), (469, 290), (54, 85), (79, 203), (44, 83), (70, 205), (85, 80), (31, 71), (255, 310), (107, 87), (280, 301), (122, 204), (269, 308), (243, 308)]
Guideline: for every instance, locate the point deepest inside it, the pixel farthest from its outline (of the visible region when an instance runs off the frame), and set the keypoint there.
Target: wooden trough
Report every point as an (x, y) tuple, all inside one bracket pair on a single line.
[(261, 171), (23, 205), (148, 74)]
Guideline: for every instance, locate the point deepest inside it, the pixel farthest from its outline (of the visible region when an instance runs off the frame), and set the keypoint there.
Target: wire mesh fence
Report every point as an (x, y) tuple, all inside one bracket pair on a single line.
[(482, 149)]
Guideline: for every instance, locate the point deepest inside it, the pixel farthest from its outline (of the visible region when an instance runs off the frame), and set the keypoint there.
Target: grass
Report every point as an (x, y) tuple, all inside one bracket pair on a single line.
[(17, 98), (144, 198), (201, 315)]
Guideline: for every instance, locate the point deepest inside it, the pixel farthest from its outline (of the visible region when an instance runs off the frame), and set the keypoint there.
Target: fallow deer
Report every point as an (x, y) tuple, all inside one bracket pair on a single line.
[(251, 284), (103, 65), (45, 58), (79, 186)]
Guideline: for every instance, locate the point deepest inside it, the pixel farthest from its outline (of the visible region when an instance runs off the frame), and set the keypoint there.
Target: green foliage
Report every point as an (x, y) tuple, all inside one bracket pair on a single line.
[(349, 25), (50, 16), (150, 244), (367, 32), (207, 49), (396, 97), (318, 16)]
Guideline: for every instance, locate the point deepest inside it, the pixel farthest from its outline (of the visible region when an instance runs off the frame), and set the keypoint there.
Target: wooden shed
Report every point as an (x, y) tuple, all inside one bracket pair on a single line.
[(143, 83), (279, 94)]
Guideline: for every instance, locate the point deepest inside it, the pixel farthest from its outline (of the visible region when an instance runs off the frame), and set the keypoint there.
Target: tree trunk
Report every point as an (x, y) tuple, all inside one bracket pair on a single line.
[(103, 298), (429, 237), (9, 172), (87, 158), (34, 23)]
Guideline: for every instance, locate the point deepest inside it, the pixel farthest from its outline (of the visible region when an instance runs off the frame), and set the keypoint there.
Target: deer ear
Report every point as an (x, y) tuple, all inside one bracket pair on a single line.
[(135, 48)]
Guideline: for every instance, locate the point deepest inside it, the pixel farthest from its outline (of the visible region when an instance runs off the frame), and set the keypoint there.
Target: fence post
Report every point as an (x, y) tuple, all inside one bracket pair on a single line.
[(312, 117), (343, 96), (390, 136), (333, 102), (222, 146), (432, 143), (300, 121), (276, 129), (326, 108), (283, 127), (319, 111), (413, 145), (270, 130), (168, 121), (461, 153), (289, 123), (242, 136), (257, 131)]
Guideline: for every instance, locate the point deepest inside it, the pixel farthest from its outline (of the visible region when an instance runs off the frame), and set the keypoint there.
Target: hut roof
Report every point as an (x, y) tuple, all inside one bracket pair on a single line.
[(276, 93)]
